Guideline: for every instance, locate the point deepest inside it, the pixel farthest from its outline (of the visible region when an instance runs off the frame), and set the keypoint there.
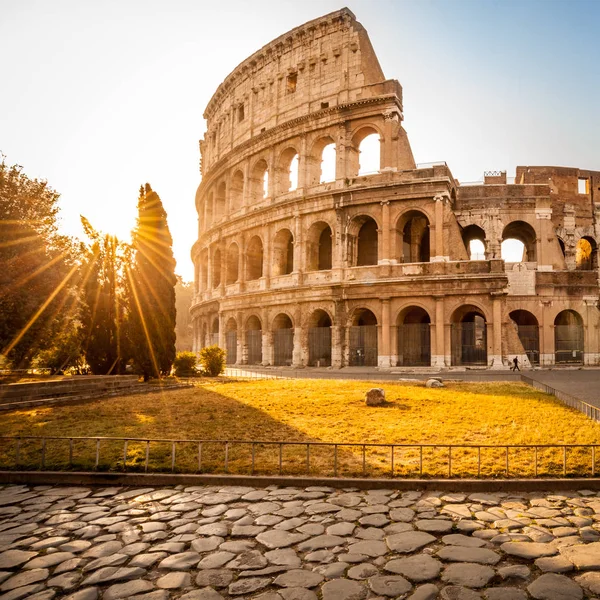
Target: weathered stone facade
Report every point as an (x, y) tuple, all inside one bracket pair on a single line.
[(293, 266)]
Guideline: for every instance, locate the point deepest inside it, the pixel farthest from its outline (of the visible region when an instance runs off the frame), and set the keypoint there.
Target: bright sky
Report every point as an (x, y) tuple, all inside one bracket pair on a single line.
[(99, 97)]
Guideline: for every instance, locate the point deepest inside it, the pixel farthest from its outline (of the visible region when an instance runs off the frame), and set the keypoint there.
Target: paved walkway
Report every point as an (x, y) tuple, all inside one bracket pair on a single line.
[(210, 543)]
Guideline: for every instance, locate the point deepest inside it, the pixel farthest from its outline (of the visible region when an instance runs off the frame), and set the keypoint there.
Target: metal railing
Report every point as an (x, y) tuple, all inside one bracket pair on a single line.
[(589, 410), (296, 458)]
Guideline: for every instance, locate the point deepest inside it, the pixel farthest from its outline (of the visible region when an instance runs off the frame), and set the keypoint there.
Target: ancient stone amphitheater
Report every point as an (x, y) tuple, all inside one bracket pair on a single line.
[(309, 256)]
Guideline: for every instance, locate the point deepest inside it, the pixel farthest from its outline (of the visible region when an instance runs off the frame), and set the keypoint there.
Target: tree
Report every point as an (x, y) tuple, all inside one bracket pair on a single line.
[(37, 267), (183, 302), (151, 282), (103, 314)]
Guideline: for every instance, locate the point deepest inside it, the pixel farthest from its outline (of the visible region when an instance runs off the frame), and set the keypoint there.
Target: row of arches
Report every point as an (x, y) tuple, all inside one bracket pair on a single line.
[(289, 171), (519, 245), (468, 338)]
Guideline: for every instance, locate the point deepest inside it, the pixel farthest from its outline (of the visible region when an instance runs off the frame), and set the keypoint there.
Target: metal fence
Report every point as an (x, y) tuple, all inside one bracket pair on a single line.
[(589, 410), (414, 346), (254, 343), (231, 347), (283, 347), (469, 343), (568, 343), (296, 458), (319, 346), (363, 346), (529, 336)]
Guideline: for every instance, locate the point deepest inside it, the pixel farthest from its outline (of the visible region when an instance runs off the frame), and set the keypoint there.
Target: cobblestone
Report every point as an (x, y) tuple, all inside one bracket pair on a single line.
[(215, 543)]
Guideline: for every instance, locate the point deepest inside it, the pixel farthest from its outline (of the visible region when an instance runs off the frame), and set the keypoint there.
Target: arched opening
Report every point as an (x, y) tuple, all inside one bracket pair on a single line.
[(220, 201), (233, 264), (236, 191), (518, 243), (254, 340), (283, 253), (214, 334), (319, 247), (216, 268), (254, 259), (529, 334), (363, 339), (208, 215), (231, 341), (321, 161), (260, 181), (369, 154), (414, 337), (469, 337), (474, 240), (319, 339), (288, 171), (204, 338), (586, 254), (367, 242), (568, 337), (283, 340), (204, 270), (413, 237)]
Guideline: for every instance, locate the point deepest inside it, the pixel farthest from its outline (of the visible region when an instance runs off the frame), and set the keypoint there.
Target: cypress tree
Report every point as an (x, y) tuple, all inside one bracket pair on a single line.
[(151, 281)]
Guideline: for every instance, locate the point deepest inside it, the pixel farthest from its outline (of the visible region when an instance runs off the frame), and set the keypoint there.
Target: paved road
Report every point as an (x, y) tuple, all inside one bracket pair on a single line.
[(210, 543)]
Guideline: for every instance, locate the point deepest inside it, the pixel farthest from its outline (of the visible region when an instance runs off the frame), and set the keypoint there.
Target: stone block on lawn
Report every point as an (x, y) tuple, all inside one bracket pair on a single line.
[(375, 397)]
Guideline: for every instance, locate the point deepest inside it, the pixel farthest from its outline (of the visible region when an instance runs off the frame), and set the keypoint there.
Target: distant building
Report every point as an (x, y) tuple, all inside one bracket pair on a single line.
[(305, 258)]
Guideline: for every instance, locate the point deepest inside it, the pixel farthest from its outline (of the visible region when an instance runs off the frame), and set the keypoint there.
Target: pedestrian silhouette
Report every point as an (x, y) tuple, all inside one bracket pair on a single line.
[(516, 364)]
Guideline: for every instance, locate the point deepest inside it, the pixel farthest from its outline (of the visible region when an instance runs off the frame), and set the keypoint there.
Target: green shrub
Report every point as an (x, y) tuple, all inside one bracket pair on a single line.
[(212, 360), (185, 364)]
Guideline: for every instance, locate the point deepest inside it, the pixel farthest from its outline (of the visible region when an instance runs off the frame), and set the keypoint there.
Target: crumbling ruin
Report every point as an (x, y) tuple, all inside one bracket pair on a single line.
[(307, 257)]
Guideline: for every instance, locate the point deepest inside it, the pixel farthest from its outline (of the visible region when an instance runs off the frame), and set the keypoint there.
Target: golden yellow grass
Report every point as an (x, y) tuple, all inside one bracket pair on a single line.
[(318, 411)]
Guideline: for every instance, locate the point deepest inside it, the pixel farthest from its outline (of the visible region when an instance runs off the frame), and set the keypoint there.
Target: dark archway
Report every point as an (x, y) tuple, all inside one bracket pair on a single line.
[(254, 259), (363, 339), (233, 262), (568, 337), (474, 240), (414, 337), (319, 247), (586, 254), (413, 237), (529, 333), (216, 268), (283, 340), (283, 252), (231, 341), (319, 339), (367, 243), (469, 336), (254, 340)]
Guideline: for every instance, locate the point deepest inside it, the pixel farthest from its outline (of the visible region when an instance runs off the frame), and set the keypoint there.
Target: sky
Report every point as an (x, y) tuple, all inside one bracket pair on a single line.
[(98, 97)]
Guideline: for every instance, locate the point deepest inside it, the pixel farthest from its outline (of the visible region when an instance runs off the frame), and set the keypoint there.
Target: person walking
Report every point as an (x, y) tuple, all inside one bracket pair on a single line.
[(516, 364)]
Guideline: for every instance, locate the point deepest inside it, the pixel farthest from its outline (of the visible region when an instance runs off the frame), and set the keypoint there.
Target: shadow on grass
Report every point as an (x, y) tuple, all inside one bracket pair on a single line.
[(203, 431)]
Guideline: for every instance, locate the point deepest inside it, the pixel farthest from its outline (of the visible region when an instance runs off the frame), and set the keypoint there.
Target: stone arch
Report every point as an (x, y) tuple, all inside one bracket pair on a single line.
[(220, 201), (283, 339), (586, 254), (362, 338), (283, 252), (208, 211), (523, 233), (414, 336), (319, 338), (366, 141), (231, 339), (474, 240), (319, 247), (236, 191), (253, 340), (469, 336), (568, 337), (204, 269), (528, 333), (287, 171), (233, 264), (413, 237), (254, 259), (322, 161), (216, 268), (259, 181), (214, 332), (363, 241)]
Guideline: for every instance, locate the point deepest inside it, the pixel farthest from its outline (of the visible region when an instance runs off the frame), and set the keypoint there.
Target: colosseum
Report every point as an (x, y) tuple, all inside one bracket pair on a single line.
[(313, 251)]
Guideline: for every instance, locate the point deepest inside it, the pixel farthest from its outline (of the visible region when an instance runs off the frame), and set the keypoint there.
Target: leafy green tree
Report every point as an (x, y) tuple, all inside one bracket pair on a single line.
[(103, 314), (37, 267), (151, 282), (185, 364)]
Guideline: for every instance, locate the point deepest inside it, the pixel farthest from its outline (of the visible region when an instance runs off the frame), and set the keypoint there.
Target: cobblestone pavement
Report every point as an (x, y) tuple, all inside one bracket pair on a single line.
[(209, 543)]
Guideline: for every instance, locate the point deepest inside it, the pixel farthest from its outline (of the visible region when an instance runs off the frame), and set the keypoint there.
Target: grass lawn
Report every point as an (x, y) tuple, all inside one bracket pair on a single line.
[(315, 410)]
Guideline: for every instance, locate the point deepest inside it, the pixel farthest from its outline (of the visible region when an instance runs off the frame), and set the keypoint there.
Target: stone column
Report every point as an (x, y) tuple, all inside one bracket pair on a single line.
[(547, 356), (267, 347), (436, 242), (267, 257), (298, 349), (299, 251), (496, 358), (384, 353), (438, 354), (591, 347), (545, 229), (385, 257), (241, 339)]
